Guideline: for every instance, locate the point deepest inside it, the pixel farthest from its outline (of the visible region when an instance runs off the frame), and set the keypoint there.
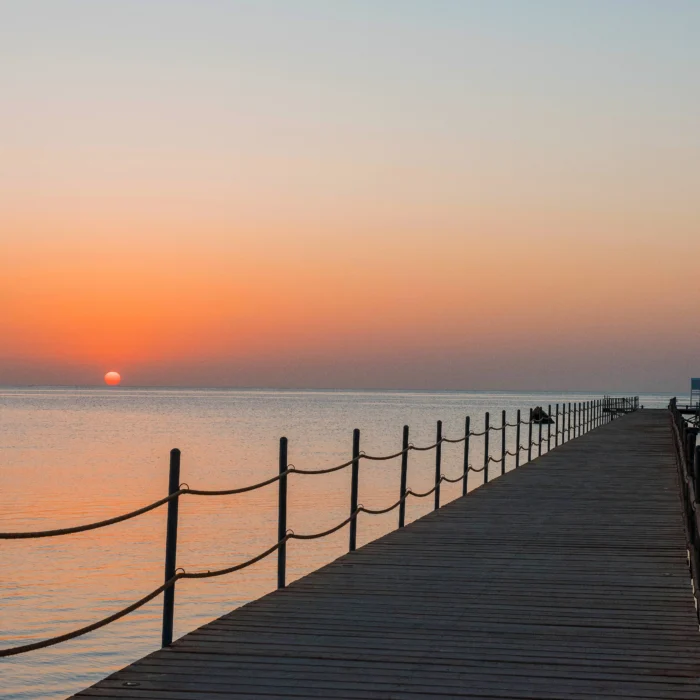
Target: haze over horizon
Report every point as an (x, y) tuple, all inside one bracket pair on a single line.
[(423, 195)]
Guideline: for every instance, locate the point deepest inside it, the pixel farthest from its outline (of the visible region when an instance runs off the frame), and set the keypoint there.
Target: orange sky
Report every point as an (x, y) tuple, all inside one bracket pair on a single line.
[(254, 214)]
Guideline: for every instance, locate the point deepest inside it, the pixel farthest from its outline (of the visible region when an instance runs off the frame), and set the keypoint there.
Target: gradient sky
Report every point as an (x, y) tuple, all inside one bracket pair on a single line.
[(378, 193)]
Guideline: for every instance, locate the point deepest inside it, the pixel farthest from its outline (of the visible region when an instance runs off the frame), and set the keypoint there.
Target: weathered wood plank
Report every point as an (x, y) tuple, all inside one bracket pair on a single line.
[(564, 580)]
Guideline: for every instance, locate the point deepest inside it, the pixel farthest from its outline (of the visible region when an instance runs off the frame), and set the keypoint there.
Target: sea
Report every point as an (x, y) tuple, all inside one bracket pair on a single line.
[(75, 455)]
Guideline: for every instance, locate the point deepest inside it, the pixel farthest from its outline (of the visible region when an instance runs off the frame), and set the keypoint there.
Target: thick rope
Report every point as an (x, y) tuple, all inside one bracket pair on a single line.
[(381, 459), (318, 535), (323, 471), (454, 481), (427, 493), (91, 526), (429, 447), (454, 441), (243, 489), (370, 511), (237, 567), (11, 651)]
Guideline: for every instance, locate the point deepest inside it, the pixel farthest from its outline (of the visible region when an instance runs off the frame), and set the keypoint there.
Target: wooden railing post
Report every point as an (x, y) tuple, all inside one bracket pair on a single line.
[(556, 428), (549, 427), (529, 438), (171, 549), (282, 516), (355, 478), (517, 441)]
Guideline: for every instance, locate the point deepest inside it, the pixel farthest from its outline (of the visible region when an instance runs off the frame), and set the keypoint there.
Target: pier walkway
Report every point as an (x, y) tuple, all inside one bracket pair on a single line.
[(564, 579)]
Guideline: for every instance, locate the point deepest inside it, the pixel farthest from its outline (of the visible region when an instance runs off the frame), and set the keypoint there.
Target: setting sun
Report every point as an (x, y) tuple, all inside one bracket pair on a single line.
[(112, 378)]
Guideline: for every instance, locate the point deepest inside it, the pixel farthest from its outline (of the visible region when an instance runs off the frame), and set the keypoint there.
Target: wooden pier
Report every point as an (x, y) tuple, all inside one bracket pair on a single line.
[(565, 579)]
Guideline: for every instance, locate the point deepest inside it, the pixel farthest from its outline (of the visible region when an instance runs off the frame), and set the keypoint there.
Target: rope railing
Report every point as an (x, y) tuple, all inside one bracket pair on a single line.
[(327, 470), (418, 494), (456, 480), (91, 526), (242, 489), (576, 419), (427, 448), (456, 440)]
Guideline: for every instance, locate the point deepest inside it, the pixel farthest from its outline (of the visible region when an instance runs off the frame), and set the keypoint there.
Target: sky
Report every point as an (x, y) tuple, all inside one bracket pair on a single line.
[(428, 194)]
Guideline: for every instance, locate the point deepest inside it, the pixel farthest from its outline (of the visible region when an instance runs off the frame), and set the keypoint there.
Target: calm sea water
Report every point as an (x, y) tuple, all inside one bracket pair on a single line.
[(70, 456)]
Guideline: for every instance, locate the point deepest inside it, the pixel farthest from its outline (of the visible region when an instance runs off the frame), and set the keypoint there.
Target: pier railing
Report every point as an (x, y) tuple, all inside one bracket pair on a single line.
[(685, 421), (553, 429)]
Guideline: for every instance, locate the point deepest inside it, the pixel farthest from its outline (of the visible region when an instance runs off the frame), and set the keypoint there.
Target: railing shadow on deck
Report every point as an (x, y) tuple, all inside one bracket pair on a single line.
[(572, 421)]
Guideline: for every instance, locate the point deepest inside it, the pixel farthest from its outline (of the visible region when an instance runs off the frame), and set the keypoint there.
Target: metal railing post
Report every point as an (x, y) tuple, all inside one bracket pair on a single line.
[(404, 476), (467, 430), (438, 462), (577, 419), (354, 487), (572, 421), (529, 438), (517, 441), (503, 442), (171, 548), (563, 424), (486, 448), (282, 516)]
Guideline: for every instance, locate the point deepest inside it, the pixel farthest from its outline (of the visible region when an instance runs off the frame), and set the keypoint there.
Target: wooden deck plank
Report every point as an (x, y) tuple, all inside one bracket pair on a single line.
[(566, 579)]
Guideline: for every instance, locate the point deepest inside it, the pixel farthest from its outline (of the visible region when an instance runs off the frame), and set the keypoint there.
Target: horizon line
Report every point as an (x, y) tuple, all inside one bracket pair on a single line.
[(310, 388)]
